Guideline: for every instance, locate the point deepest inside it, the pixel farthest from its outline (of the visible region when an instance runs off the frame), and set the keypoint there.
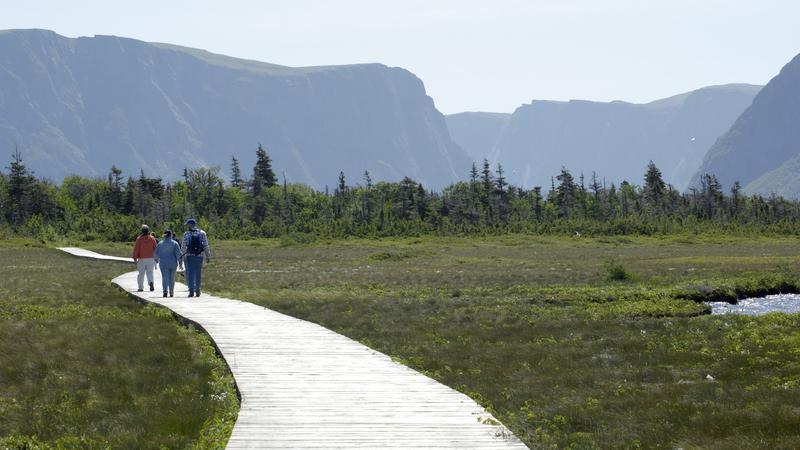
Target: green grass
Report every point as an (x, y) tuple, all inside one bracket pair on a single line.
[(533, 328), (83, 366)]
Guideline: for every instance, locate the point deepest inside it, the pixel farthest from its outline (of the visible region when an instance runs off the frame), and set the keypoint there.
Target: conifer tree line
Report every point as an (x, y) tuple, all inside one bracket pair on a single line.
[(257, 203)]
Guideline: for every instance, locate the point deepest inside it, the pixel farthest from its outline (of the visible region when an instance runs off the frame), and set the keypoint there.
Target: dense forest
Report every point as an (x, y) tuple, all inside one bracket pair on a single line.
[(260, 204)]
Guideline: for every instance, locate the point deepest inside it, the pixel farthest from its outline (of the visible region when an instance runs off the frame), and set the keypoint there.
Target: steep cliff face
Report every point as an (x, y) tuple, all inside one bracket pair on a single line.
[(762, 148), (81, 105), (615, 139)]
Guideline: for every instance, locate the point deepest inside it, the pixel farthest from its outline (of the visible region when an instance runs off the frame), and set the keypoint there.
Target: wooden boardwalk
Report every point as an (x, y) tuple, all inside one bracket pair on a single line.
[(304, 386)]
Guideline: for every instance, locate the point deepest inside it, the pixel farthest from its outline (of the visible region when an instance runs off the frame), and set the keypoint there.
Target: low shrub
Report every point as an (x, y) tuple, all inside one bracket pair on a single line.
[(615, 271)]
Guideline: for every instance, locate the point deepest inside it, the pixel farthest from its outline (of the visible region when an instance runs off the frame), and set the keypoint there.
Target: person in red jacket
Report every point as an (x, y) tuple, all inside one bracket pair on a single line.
[(143, 252)]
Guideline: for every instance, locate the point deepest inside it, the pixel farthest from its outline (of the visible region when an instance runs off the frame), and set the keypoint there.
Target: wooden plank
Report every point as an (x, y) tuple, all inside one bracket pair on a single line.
[(304, 386), (93, 255)]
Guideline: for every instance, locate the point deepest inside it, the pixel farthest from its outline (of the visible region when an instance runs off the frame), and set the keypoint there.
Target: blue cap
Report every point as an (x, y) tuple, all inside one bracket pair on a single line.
[(191, 222)]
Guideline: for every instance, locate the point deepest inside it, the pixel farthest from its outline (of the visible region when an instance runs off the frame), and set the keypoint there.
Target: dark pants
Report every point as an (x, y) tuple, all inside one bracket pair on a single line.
[(194, 270)]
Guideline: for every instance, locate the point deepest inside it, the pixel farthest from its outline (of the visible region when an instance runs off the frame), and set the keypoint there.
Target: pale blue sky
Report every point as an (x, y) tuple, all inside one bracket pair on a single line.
[(472, 55)]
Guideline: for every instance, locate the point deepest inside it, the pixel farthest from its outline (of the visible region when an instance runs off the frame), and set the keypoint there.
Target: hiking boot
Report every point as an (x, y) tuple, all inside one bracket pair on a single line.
[(191, 294), (139, 290), (152, 288), (165, 294), (171, 294), (197, 294)]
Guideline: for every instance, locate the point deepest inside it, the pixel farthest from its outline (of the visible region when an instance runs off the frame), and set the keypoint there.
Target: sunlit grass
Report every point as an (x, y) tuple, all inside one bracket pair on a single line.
[(532, 328), (82, 365)]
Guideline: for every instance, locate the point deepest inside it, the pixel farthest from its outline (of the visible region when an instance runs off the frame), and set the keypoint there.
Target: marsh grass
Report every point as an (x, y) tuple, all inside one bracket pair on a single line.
[(531, 328), (83, 366)]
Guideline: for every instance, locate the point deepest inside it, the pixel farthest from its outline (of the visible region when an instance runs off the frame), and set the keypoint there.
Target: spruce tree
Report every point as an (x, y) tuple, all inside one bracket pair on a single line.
[(144, 195), (486, 177), (736, 190), (115, 188), (502, 200), (711, 194), (262, 172), (131, 189), (340, 196), (565, 192), (500, 180), (236, 174), (537, 202), (596, 187), (654, 189), (20, 187), (367, 180), (407, 187), (625, 197), (487, 191), (422, 202), (473, 174), (366, 198)]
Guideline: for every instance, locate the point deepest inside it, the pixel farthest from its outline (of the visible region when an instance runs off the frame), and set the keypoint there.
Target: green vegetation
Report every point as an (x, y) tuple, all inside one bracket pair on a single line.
[(617, 272), (574, 313), (83, 366), (111, 209), (533, 328)]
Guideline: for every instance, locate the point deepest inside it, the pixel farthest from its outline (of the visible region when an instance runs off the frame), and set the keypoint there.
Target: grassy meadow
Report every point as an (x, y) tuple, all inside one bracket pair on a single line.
[(574, 342), (83, 366), (547, 333)]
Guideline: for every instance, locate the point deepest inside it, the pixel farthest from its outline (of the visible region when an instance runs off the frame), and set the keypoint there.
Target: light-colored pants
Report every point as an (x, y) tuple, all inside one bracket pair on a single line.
[(145, 265), (168, 279)]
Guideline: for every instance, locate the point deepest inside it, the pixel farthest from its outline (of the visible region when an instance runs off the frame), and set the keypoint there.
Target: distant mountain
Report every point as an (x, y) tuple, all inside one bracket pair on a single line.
[(762, 148), (615, 139), (81, 105), (476, 132)]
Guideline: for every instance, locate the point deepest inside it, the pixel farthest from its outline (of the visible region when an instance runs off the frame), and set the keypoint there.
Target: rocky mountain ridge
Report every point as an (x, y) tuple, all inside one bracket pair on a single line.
[(77, 106)]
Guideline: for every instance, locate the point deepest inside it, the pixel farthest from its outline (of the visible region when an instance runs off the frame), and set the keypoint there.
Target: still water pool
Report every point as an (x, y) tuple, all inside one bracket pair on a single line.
[(785, 303)]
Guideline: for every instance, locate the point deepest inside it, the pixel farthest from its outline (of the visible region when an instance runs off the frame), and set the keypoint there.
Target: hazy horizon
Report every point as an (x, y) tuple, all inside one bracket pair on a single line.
[(471, 56)]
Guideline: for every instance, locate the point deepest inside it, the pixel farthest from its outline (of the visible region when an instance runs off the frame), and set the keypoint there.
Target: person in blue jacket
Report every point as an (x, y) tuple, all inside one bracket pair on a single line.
[(168, 255), (195, 246)]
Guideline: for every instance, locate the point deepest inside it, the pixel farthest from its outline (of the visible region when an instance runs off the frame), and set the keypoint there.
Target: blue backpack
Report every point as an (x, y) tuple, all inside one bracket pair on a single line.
[(195, 246)]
